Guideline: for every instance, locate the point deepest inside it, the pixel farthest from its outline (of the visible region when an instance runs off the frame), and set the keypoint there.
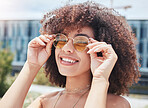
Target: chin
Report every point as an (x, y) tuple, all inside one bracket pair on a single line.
[(67, 72)]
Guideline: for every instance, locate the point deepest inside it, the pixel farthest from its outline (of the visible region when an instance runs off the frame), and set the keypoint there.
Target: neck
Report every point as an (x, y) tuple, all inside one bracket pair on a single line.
[(78, 82)]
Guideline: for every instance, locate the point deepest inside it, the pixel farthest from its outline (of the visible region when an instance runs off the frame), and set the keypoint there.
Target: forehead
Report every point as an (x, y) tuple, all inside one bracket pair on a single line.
[(88, 31)]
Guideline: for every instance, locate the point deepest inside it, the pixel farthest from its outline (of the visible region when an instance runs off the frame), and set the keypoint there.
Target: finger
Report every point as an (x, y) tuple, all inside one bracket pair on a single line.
[(96, 47), (100, 59), (104, 48), (91, 45), (39, 41), (94, 56), (92, 40), (107, 52), (44, 39), (49, 47), (33, 43), (50, 37)]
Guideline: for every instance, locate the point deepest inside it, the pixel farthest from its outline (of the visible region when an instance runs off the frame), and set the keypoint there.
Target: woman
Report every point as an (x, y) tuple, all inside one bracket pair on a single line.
[(93, 56)]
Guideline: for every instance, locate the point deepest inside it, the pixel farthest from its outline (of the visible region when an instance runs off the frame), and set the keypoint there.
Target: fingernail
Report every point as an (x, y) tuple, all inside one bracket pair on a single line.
[(48, 39), (88, 45), (43, 44), (96, 50), (88, 51), (91, 38), (50, 36)]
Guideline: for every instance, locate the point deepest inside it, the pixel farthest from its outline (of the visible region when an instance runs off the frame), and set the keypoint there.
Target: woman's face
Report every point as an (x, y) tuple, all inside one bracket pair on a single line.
[(71, 62)]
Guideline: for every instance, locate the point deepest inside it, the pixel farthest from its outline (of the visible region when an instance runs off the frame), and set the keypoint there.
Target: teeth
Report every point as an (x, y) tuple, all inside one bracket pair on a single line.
[(68, 60)]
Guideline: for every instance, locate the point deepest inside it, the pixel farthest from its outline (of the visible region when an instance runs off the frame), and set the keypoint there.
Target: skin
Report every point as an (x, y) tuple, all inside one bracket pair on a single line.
[(78, 75)]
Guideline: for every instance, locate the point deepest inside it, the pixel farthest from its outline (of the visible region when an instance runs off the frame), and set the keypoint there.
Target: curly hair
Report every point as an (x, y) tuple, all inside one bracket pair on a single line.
[(110, 27)]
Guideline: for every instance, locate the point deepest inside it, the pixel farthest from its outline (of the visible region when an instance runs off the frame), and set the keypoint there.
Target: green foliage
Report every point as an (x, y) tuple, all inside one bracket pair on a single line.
[(6, 58), (41, 78), (10, 79)]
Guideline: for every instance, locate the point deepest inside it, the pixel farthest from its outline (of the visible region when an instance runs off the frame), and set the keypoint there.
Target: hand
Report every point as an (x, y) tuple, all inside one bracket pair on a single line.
[(39, 49), (101, 67)]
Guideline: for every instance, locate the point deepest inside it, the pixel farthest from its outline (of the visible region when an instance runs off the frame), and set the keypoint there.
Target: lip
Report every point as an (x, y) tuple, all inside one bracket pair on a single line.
[(68, 63)]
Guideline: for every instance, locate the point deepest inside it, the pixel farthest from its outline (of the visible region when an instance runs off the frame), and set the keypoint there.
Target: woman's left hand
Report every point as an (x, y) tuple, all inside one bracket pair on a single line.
[(101, 67)]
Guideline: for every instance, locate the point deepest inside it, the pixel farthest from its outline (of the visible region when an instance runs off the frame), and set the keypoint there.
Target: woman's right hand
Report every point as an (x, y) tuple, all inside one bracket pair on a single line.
[(39, 49)]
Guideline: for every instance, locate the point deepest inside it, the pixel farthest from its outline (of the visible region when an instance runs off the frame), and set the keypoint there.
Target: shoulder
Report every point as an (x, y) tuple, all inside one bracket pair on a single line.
[(49, 95), (43, 99), (115, 101)]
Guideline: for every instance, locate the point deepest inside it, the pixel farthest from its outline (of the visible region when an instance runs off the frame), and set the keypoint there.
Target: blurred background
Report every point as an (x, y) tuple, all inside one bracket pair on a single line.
[(20, 22)]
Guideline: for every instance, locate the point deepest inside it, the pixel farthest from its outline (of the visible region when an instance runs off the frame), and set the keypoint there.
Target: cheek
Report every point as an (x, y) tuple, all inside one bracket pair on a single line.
[(86, 60), (56, 53)]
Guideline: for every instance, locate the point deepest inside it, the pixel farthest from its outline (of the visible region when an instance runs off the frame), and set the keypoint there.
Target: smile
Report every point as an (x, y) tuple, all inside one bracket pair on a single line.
[(68, 61)]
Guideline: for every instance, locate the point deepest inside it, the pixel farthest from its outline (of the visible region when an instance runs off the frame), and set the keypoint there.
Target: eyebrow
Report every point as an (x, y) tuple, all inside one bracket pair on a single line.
[(82, 35)]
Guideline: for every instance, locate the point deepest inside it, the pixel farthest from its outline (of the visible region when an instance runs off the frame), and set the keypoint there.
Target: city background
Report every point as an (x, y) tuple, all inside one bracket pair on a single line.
[(20, 22)]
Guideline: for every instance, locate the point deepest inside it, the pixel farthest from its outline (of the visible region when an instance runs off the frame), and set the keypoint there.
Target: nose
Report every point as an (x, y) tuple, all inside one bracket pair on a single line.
[(68, 48)]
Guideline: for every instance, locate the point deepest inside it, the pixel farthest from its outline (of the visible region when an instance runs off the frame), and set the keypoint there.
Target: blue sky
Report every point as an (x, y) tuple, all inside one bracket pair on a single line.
[(35, 9)]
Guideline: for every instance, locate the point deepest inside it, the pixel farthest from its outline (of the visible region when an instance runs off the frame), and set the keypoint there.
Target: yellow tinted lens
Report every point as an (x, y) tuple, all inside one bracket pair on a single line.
[(60, 41), (80, 43)]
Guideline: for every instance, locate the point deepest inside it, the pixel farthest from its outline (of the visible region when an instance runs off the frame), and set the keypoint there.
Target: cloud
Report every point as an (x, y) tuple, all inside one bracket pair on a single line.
[(30, 9)]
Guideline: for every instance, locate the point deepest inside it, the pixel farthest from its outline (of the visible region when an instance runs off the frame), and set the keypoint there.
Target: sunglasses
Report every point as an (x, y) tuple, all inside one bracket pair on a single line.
[(79, 42)]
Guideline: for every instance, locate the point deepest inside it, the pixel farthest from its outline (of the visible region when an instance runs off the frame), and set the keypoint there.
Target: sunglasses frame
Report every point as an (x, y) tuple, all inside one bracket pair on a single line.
[(67, 39)]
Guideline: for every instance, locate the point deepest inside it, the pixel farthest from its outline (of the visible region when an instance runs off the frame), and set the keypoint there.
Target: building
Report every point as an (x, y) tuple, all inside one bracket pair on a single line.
[(140, 28), (17, 33)]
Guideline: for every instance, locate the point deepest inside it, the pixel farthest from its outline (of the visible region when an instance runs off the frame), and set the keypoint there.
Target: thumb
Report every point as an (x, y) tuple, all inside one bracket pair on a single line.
[(93, 56), (49, 46)]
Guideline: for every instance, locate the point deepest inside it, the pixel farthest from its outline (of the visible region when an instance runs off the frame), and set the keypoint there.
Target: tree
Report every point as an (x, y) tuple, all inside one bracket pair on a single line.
[(6, 58)]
